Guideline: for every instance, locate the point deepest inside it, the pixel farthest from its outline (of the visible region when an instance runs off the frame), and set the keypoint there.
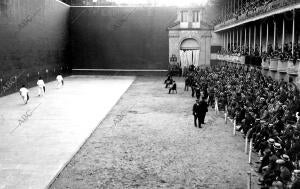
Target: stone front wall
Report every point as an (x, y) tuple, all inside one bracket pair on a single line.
[(120, 37), (203, 37)]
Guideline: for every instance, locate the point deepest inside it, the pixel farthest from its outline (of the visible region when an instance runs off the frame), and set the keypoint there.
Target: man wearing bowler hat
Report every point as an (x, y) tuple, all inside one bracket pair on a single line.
[(196, 110), (296, 179), (203, 109)]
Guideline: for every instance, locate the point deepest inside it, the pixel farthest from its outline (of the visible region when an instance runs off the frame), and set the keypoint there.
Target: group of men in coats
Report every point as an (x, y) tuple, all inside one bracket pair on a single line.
[(201, 106), (199, 111)]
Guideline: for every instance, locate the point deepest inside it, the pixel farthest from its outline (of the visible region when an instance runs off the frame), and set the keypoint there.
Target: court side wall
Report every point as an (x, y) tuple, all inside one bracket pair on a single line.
[(120, 37), (33, 37)]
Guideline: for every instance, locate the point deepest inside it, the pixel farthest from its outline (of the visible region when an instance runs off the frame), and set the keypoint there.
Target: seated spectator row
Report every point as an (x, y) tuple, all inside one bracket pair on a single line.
[(265, 110), (278, 52)]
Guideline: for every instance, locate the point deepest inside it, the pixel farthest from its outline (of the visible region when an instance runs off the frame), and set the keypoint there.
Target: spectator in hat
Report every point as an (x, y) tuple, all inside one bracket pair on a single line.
[(284, 173), (203, 109), (273, 105), (246, 123), (277, 185), (288, 164), (187, 83), (196, 114), (168, 81), (173, 88), (296, 179)]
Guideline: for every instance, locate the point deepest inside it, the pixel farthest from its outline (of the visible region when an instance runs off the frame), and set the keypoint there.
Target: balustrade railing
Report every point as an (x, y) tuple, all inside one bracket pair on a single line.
[(282, 66), (231, 58), (293, 68), (273, 64), (265, 63)]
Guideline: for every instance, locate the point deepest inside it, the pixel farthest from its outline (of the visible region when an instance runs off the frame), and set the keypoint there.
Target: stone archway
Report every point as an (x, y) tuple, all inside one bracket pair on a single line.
[(189, 52), (188, 37), (189, 44)]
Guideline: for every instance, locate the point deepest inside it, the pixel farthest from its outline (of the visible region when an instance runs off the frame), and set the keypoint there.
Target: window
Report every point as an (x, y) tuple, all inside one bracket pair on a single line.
[(184, 16), (196, 16)]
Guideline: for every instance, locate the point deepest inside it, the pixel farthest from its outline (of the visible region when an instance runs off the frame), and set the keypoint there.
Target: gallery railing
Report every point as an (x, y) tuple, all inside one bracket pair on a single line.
[(275, 5)]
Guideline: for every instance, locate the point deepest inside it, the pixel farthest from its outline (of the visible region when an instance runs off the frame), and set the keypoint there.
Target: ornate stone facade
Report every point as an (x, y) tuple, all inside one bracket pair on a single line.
[(191, 29)]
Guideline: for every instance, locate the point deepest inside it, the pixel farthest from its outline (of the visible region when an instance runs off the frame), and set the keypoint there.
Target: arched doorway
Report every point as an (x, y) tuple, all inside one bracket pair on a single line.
[(189, 53)]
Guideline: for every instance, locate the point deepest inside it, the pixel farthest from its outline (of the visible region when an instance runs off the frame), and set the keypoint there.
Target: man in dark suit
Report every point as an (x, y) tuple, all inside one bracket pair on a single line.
[(198, 92), (173, 88), (203, 108), (196, 114), (193, 86)]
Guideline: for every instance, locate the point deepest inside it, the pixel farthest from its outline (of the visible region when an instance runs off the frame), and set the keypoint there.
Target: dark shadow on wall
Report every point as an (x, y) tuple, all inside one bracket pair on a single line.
[(120, 37), (33, 39)]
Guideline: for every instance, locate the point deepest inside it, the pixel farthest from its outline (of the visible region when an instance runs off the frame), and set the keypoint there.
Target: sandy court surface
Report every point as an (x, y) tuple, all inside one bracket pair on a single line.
[(148, 141)]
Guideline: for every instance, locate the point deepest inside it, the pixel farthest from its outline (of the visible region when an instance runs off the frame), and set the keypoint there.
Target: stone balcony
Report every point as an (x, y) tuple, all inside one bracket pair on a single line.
[(282, 66), (293, 69), (232, 59), (265, 63), (273, 64)]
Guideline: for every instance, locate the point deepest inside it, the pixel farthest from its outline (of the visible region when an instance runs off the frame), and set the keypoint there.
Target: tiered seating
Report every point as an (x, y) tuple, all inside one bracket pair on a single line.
[(265, 111), (250, 8), (283, 61)]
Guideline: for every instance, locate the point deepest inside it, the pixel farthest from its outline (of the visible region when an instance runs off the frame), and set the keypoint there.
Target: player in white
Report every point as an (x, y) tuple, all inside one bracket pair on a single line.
[(60, 81), (24, 94), (41, 86)]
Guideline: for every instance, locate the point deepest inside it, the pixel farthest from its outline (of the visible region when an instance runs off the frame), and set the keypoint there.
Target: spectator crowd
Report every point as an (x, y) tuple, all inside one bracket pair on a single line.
[(248, 8), (265, 110), (284, 54)]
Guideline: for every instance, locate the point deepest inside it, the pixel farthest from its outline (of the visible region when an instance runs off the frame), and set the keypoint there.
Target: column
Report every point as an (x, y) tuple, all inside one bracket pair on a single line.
[(249, 40), (237, 37), (234, 5), (232, 39), (267, 38), (293, 34), (245, 42), (231, 7), (228, 9), (260, 39), (254, 43), (283, 34), (222, 12), (227, 41), (224, 42), (225, 10), (241, 38), (274, 39)]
